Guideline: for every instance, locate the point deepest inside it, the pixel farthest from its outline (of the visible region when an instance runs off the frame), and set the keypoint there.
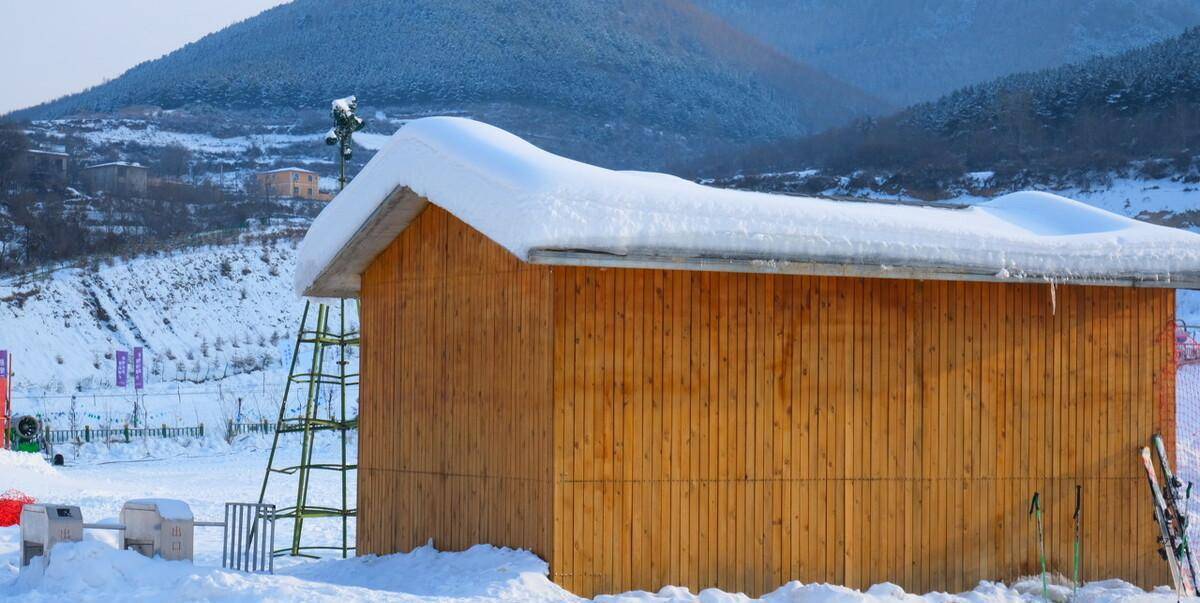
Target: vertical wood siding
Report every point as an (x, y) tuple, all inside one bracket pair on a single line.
[(637, 428), (456, 394), (742, 430)]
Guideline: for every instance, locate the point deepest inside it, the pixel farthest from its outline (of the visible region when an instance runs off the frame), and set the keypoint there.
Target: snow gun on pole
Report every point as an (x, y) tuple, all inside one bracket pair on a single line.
[(346, 123)]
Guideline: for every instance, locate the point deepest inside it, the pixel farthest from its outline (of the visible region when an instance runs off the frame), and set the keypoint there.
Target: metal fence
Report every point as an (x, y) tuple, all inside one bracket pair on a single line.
[(233, 429), (249, 537), (127, 434), (118, 434)]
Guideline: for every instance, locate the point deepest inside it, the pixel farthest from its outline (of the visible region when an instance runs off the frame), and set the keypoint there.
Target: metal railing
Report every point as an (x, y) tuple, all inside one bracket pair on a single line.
[(233, 429), (249, 537), (127, 434), (118, 434)]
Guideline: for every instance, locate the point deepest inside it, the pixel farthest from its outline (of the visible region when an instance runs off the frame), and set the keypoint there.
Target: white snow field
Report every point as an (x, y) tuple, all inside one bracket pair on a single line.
[(205, 473)]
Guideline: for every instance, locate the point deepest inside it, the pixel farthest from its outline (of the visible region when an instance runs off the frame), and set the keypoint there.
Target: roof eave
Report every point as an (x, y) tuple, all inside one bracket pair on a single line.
[(341, 277), (650, 259)]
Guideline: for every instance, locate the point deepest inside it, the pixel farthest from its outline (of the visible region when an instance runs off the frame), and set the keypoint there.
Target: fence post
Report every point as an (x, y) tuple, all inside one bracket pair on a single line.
[(164, 430), (228, 429), (127, 433), (87, 433), (202, 430)]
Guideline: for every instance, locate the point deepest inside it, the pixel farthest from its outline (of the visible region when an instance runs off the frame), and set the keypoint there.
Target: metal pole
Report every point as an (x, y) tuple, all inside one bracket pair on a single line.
[(225, 539), (342, 375)]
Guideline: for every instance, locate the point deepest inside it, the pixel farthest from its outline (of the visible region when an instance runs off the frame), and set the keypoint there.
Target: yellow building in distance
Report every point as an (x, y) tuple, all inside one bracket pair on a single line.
[(292, 182)]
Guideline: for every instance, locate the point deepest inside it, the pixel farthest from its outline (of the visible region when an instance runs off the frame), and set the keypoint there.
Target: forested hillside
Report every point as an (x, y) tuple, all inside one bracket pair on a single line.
[(641, 79), (1135, 111), (909, 52)]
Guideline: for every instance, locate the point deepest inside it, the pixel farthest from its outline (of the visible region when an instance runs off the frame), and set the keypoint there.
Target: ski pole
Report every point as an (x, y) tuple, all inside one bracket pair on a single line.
[(1079, 533), (1035, 509)]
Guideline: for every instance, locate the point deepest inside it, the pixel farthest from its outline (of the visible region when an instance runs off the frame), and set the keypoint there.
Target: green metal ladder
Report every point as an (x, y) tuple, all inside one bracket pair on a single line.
[(320, 335)]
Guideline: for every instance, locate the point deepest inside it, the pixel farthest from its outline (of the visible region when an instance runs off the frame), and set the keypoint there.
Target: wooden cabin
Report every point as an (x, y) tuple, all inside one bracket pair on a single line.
[(549, 364)]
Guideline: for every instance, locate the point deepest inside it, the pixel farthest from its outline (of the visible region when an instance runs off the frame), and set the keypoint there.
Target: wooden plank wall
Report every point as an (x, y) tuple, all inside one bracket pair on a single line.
[(741, 431), (455, 401)]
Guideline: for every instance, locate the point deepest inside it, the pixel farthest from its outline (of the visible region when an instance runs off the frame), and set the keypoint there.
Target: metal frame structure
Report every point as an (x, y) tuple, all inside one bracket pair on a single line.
[(248, 541), (318, 332)]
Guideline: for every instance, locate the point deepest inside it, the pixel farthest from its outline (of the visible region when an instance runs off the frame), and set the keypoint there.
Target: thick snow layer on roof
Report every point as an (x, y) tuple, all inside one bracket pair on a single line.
[(527, 199), (115, 163), (288, 169)]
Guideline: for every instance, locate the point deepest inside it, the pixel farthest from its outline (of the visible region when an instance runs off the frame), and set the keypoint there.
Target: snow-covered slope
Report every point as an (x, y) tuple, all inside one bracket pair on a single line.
[(200, 314)]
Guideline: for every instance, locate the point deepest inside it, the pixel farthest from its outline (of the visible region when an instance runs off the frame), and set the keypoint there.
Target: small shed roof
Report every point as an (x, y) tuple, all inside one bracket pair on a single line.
[(552, 210), (288, 169), (45, 152), (116, 164)]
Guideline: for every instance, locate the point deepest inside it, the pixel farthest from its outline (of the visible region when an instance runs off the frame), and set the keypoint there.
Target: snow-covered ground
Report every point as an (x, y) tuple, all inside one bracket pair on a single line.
[(206, 473)]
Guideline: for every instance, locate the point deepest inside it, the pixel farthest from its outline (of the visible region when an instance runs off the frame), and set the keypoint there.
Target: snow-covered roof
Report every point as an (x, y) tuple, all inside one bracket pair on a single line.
[(288, 169), (115, 163), (45, 152), (552, 210)]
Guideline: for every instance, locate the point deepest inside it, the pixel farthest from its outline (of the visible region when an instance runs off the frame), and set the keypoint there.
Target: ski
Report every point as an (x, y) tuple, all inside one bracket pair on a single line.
[(1078, 566), (1035, 511), (1177, 516), (1166, 535)]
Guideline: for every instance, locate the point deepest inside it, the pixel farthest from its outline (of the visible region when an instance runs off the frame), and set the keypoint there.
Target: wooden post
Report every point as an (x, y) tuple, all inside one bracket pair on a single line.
[(87, 433), (127, 433)]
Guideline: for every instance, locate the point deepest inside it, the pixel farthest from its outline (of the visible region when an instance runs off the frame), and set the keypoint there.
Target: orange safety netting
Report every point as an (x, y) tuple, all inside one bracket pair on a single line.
[(11, 502)]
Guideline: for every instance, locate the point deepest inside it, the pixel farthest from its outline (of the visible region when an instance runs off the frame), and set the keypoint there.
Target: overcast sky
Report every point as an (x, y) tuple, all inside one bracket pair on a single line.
[(55, 47)]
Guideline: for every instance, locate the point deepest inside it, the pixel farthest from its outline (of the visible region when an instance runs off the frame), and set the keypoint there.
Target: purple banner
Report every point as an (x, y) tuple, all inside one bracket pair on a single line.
[(122, 368), (3, 363), (139, 380)]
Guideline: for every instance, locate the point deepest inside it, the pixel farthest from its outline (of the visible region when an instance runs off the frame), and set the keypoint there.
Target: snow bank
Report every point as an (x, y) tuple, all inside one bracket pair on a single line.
[(140, 449), (527, 199), (94, 571), (26, 472), (13, 464)]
